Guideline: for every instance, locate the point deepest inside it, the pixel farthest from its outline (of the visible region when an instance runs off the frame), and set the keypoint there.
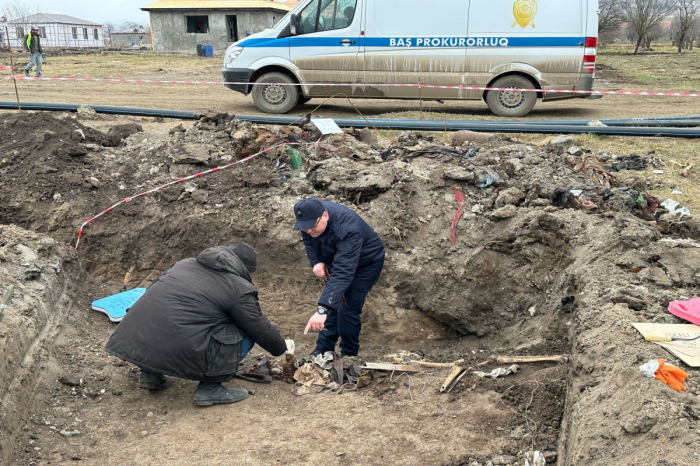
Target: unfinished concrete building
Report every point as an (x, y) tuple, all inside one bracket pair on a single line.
[(182, 25)]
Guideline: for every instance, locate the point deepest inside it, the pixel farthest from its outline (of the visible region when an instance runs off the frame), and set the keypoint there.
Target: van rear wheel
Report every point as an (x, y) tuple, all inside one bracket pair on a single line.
[(511, 103), (277, 95)]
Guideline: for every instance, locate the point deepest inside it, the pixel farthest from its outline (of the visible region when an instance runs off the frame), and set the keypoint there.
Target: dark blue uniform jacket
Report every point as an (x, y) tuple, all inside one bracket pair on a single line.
[(347, 244)]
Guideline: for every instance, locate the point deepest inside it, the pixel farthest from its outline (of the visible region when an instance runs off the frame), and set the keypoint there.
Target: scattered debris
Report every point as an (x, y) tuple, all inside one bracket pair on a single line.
[(498, 372), (632, 162), (677, 210), (668, 374)]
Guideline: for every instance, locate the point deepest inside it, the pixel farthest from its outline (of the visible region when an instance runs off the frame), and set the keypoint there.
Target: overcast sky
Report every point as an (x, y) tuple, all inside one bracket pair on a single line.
[(98, 11)]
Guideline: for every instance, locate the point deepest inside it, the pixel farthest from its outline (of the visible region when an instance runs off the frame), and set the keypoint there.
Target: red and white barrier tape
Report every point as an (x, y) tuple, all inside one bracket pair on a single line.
[(181, 180), (354, 85), (6, 68)]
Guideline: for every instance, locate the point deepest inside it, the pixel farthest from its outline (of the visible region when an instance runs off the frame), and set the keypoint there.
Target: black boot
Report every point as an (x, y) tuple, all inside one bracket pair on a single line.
[(26, 73), (153, 381), (210, 393)]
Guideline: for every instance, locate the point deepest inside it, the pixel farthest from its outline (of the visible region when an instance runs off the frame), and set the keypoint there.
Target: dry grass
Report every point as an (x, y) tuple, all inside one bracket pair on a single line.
[(130, 65), (661, 69)]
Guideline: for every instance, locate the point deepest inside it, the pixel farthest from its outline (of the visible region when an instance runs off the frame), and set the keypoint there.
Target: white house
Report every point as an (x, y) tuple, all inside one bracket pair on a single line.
[(58, 31)]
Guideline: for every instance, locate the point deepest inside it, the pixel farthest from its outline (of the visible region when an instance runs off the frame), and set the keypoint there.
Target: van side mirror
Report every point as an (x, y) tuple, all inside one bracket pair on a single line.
[(293, 26)]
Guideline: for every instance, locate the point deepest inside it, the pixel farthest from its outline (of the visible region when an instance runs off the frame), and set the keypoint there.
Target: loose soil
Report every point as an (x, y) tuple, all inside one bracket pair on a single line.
[(524, 277)]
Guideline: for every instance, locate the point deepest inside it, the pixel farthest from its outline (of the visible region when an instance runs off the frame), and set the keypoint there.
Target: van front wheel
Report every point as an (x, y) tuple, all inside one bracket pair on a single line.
[(511, 103), (278, 94)]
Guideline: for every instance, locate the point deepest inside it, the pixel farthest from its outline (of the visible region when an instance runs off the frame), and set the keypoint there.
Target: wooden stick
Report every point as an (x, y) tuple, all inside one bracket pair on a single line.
[(385, 366), (456, 370), (12, 64), (458, 379)]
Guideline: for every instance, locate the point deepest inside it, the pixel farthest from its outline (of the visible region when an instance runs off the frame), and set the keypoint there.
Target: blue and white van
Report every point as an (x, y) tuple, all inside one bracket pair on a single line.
[(391, 49)]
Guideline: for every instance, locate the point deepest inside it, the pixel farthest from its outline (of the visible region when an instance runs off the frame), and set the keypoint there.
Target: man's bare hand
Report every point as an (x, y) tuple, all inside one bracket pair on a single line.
[(316, 323), (320, 271)]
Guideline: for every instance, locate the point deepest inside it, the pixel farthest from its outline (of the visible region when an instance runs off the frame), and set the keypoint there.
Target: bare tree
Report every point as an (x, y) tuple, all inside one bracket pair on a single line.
[(19, 14), (130, 26), (685, 22), (643, 15), (609, 15)]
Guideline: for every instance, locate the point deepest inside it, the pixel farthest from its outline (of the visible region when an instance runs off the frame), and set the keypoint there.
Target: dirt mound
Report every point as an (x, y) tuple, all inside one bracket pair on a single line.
[(553, 255), (37, 268)]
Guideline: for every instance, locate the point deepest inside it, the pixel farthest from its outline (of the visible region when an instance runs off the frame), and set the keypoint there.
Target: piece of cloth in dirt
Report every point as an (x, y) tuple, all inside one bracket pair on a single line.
[(633, 162)]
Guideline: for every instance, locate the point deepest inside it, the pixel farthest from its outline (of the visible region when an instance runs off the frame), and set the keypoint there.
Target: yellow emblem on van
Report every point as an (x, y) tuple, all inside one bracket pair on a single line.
[(524, 12)]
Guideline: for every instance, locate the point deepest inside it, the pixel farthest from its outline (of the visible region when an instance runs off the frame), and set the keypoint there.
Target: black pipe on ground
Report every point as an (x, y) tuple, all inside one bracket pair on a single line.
[(532, 126), (137, 111)]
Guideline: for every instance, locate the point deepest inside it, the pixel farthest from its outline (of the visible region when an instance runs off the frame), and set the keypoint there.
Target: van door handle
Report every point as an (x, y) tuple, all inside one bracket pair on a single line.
[(347, 42)]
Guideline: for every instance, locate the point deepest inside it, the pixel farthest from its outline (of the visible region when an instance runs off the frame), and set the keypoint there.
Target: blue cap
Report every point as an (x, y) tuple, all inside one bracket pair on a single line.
[(307, 212)]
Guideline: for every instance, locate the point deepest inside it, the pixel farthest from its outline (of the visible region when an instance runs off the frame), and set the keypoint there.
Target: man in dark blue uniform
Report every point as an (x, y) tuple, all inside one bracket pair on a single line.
[(345, 252)]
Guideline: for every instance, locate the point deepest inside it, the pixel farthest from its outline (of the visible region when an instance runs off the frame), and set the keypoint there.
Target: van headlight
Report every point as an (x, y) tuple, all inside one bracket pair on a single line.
[(232, 54)]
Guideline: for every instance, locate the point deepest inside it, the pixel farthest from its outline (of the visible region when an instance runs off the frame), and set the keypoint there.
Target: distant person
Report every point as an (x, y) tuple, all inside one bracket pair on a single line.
[(32, 46), (345, 252), (196, 321)]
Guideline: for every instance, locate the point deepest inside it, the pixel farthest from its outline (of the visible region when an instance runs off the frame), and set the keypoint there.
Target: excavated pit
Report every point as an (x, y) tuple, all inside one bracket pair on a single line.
[(524, 277)]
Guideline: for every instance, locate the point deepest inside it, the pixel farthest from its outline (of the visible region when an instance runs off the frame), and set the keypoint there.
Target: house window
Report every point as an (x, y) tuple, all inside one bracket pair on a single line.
[(95, 34), (20, 32), (42, 32), (197, 24), (85, 34), (75, 33)]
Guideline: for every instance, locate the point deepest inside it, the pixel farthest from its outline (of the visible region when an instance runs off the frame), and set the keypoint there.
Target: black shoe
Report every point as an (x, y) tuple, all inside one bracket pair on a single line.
[(26, 73), (152, 381), (209, 393), (38, 75)]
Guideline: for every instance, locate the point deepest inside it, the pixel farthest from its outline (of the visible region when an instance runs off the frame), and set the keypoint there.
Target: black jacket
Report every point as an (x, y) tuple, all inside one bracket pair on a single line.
[(347, 244), (189, 322)]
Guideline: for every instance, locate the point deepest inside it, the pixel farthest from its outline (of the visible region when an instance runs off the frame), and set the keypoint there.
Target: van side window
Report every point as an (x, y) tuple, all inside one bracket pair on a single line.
[(327, 15)]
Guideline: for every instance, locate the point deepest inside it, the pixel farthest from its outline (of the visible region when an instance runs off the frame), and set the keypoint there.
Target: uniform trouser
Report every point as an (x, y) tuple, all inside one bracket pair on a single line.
[(34, 59), (345, 322), (246, 345)]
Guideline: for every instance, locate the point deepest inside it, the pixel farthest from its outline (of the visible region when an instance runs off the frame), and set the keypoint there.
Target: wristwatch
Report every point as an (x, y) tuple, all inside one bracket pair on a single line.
[(322, 310)]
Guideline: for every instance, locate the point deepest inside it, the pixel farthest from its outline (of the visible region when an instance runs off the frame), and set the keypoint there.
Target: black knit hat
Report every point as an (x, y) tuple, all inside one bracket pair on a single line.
[(246, 254)]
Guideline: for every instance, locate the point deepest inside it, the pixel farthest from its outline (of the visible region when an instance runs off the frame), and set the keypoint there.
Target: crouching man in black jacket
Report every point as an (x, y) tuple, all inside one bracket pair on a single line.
[(196, 321)]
